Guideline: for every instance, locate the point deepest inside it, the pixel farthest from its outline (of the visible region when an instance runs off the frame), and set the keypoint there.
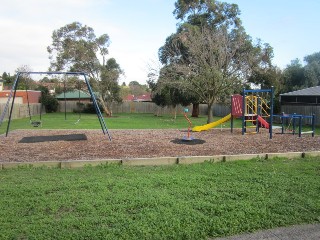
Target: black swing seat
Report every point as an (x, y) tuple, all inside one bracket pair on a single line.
[(35, 123)]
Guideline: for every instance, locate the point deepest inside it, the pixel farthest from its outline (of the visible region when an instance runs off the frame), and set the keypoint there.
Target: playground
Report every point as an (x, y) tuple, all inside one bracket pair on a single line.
[(129, 144), (257, 135)]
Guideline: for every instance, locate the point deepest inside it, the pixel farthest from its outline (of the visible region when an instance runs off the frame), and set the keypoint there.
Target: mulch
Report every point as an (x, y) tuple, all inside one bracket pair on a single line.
[(127, 144)]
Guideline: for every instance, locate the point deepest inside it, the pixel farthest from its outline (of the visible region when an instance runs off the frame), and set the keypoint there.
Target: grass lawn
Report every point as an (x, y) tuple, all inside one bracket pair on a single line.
[(119, 121), (169, 202)]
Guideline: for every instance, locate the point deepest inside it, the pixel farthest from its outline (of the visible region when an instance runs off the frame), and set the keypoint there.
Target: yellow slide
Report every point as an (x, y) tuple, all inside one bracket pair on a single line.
[(211, 125)]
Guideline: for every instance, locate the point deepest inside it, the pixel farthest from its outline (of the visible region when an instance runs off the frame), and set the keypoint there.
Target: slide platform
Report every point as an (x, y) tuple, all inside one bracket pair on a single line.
[(211, 125)]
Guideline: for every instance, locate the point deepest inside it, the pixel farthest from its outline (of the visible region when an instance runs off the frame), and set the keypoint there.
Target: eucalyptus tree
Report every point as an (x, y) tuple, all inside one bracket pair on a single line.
[(312, 69), (210, 55), (75, 47), (294, 76)]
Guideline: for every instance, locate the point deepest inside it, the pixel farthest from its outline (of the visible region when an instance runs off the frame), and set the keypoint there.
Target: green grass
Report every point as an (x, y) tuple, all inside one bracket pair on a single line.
[(119, 121), (172, 202)]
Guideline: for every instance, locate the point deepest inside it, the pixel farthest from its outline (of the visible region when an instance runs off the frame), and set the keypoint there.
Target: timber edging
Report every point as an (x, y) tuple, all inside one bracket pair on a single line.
[(157, 161)]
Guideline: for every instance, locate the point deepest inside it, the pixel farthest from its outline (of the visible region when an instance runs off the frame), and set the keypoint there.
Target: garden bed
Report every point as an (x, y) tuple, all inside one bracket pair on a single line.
[(147, 143)]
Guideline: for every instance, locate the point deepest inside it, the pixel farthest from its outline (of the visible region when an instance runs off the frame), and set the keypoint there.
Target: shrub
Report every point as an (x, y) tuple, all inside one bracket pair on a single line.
[(89, 108), (49, 102)]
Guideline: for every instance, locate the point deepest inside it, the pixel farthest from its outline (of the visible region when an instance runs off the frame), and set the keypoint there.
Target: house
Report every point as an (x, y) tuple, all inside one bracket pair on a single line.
[(1, 84), (74, 96), (305, 101), (307, 96), (141, 98), (129, 98), (22, 96)]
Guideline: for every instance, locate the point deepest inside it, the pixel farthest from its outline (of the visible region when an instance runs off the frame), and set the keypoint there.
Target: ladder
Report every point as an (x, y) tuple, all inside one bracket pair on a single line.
[(3, 114), (96, 106)]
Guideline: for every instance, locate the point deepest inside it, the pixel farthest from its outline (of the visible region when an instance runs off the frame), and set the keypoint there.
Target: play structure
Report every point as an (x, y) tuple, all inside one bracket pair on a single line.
[(255, 108), (12, 95), (292, 123)]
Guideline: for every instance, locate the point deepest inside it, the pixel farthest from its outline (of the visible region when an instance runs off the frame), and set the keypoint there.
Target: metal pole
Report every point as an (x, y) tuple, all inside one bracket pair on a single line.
[(313, 124), (95, 104), (243, 111), (300, 125), (14, 96), (271, 112), (231, 124), (65, 99)]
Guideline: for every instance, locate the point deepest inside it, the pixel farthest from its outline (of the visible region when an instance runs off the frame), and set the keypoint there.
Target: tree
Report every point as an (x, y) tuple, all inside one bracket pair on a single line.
[(210, 55), (294, 76), (267, 78), (108, 85), (76, 48), (168, 95), (50, 103), (312, 69), (8, 79), (137, 89)]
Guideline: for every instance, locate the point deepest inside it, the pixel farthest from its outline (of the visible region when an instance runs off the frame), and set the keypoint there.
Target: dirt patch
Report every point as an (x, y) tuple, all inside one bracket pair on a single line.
[(147, 143)]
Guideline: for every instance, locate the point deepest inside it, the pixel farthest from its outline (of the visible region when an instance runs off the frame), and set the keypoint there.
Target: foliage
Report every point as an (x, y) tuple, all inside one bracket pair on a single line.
[(50, 103), (210, 55), (89, 108), (267, 78), (312, 69), (138, 89), (298, 76), (8, 79), (76, 48), (197, 201), (169, 95), (294, 76)]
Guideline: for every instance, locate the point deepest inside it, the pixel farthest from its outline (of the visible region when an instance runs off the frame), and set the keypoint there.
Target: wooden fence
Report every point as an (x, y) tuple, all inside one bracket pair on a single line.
[(303, 110), (219, 110), (21, 110)]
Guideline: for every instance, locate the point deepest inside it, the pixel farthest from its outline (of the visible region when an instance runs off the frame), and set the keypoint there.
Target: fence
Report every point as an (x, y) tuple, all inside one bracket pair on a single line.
[(21, 110), (219, 110)]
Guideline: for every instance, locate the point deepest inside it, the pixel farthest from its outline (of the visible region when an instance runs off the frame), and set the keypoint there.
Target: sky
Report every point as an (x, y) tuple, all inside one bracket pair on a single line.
[(138, 28)]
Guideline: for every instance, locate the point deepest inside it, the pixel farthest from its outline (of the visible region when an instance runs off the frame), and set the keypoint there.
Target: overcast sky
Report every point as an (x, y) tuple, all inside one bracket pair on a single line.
[(137, 29)]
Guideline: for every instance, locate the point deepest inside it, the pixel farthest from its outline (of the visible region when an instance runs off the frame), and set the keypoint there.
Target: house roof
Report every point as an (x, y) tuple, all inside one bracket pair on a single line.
[(313, 91), (130, 97), (141, 98), (73, 95)]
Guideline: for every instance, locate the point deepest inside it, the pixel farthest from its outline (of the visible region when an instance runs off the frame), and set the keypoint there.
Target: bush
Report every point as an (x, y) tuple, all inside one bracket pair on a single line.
[(89, 108), (49, 102), (80, 108)]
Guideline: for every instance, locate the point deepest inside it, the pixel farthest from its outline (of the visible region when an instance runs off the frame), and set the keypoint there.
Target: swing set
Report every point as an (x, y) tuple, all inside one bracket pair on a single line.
[(38, 123)]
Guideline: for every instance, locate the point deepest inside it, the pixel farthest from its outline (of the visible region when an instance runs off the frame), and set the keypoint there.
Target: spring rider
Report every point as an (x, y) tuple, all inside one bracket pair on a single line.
[(188, 137)]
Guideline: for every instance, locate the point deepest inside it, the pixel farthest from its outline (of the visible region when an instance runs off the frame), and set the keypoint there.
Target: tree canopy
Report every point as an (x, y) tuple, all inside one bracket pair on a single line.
[(210, 55), (76, 48)]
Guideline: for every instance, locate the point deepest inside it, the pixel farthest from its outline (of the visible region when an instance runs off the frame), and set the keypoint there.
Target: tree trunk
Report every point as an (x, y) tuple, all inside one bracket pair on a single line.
[(210, 115), (106, 110), (173, 110), (195, 110)]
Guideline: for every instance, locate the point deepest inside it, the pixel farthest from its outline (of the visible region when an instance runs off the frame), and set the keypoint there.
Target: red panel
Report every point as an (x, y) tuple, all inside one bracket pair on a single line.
[(237, 104)]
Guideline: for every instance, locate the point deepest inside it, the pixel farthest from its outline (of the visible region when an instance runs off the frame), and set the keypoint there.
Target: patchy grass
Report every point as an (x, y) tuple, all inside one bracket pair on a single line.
[(169, 202)]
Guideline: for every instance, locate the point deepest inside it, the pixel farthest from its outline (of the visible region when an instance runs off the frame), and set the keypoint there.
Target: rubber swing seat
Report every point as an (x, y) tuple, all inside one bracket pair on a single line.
[(36, 123)]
